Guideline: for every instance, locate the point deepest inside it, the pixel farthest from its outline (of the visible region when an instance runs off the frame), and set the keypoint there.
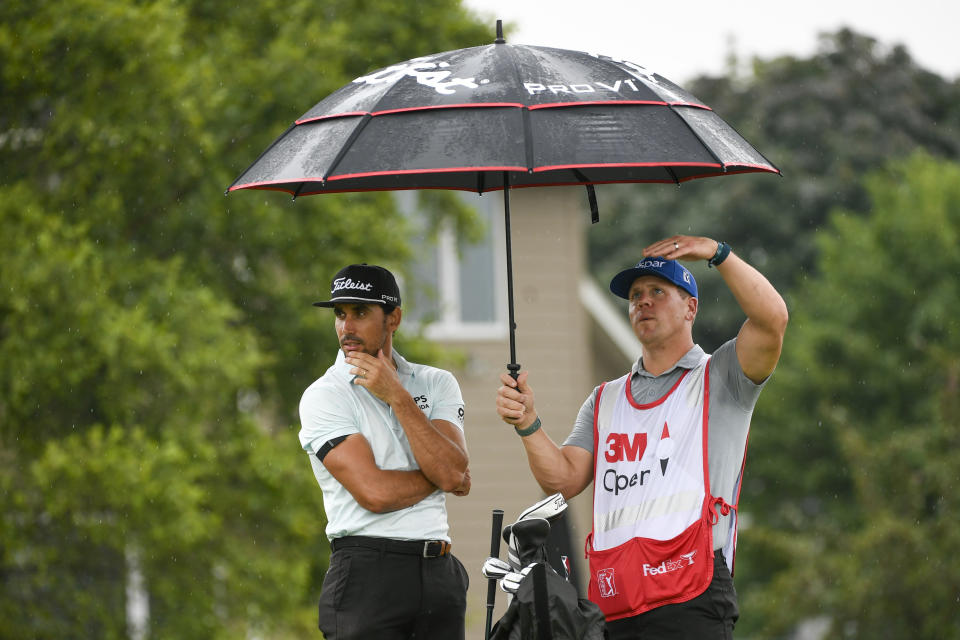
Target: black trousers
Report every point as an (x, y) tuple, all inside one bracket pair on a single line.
[(709, 616), (376, 593)]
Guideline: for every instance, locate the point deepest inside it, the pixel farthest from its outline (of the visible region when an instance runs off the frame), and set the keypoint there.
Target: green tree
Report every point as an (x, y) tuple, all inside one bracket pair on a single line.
[(824, 121), (155, 336), (854, 452)]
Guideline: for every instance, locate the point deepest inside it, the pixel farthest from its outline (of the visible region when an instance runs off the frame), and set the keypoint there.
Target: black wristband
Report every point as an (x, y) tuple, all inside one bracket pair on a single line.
[(723, 250), (533, 428)]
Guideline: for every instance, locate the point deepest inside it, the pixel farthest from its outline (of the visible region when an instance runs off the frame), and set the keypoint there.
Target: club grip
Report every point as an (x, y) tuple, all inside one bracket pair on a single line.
[(495, 533), (491, 582)]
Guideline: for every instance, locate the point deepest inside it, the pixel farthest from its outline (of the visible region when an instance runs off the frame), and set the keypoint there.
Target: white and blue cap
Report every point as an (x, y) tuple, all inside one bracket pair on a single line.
[(670, 270), (363, 284)]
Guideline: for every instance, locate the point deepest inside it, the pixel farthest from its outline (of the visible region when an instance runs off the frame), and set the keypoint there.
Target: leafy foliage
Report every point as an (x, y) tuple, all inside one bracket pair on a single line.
[(851, 464), (155, 336), (854, 448), (824, 121)]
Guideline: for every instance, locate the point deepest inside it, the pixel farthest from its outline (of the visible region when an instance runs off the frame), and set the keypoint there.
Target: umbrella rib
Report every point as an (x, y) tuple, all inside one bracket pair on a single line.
[(346, 146), (757, 151), (300, 188), (527, 139), (723, 166), (525, 114), (265, 152)]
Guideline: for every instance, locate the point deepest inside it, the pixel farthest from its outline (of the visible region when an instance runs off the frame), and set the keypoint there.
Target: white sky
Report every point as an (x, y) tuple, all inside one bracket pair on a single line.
[(680, 39)]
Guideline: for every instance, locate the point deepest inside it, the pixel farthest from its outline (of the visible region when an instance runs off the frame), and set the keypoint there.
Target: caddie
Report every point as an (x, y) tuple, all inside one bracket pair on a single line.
[(664, 446)]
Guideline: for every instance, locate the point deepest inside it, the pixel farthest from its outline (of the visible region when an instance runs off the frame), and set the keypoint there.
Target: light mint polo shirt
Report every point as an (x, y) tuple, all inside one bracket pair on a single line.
[(332, 407)]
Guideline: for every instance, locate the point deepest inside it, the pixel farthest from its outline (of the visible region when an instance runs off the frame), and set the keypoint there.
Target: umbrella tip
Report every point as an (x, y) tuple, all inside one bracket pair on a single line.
[(500, 39)]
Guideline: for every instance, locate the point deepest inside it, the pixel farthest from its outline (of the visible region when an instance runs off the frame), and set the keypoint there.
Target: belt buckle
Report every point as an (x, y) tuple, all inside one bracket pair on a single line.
[(426, 548)]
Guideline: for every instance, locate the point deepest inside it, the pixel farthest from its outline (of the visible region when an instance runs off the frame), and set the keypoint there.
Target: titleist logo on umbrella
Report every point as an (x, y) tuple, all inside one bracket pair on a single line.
[(441, 78)]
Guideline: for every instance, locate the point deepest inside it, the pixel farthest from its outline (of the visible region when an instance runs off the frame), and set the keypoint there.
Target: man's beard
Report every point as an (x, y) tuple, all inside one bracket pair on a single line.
[(364, 347)]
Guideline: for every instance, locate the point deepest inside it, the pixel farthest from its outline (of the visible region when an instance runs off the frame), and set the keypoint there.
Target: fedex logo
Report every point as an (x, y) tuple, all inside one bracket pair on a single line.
[(625, 446), (685, 560)]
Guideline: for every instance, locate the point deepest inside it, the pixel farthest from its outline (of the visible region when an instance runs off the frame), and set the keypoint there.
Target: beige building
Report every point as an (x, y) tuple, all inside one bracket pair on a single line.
[(570, 335)]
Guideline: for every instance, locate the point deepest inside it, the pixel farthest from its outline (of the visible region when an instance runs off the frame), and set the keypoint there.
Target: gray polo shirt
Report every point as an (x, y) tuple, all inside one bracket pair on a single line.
[(732, 399)]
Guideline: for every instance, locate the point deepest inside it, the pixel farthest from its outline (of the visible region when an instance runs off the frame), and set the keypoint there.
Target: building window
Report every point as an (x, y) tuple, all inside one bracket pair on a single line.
[(461, 287)]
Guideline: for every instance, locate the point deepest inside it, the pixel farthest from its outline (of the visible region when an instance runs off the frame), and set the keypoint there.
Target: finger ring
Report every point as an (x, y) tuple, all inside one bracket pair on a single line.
[(676, 245)]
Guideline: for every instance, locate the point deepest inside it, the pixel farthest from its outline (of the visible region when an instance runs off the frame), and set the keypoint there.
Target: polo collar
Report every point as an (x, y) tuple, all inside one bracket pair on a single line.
[(690, 360)]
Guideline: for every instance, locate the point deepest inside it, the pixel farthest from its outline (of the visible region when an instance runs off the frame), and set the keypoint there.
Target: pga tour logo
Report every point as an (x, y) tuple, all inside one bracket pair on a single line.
[(608, 588)]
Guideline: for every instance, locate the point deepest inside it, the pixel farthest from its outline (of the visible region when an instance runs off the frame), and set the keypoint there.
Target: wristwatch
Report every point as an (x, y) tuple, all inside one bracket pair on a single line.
[(723, 250)]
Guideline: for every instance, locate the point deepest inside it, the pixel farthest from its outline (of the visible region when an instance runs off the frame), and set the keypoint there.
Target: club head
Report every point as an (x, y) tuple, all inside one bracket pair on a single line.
[(495, 568), (511, 582), (550, 508)]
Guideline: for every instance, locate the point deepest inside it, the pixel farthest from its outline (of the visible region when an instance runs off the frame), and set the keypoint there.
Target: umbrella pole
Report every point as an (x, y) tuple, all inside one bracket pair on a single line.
[(512, 367)]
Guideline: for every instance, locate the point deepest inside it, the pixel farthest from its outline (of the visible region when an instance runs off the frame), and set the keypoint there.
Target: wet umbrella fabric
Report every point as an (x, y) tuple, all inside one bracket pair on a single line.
[(463, 119), (499, 116)]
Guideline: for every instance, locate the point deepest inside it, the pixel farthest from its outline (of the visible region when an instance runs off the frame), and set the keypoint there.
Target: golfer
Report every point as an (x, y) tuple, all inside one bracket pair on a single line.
[(385, 440), (664, 446)]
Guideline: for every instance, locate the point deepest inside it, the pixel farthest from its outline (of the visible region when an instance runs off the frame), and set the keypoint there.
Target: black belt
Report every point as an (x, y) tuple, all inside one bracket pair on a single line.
[(423, 548)]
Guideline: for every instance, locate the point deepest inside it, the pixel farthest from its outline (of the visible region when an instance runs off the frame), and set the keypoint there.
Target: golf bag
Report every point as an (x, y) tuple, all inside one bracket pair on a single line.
[(544, 605)]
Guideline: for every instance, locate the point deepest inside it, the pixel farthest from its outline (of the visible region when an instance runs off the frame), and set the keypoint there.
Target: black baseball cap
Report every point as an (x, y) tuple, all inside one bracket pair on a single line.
[(362, 284)]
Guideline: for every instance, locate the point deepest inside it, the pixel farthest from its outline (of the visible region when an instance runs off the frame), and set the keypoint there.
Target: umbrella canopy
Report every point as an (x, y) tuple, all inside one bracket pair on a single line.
[(500, 116), (483, 118)]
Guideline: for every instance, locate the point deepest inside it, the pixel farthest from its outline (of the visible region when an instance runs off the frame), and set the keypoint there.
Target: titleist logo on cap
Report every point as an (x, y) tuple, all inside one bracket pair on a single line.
[(349, 283), (363, 284)]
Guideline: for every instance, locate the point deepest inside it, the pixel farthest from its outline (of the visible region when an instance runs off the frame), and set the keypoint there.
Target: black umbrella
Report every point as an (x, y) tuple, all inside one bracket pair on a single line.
[(501, 116)]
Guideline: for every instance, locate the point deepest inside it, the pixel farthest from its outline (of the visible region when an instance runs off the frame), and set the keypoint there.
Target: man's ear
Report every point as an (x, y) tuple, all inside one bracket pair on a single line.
[(393, 319), (693, 304)]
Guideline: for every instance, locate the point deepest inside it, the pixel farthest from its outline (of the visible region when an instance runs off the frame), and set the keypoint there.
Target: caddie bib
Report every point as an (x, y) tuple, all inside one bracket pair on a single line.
[(652, 539)]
